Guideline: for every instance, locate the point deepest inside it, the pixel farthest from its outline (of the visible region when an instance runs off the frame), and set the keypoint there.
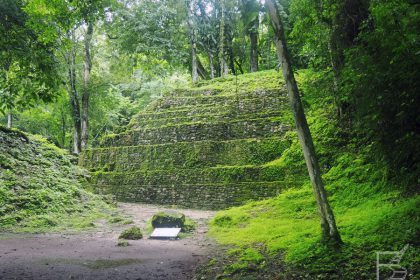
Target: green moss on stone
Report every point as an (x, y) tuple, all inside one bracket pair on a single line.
[(41, 190), (210, 146), (168, 220), (122, 243), (132, 233)]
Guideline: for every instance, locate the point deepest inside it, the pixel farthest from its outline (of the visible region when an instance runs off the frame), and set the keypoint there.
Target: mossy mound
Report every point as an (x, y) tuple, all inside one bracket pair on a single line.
[(168, 220), (201, 147), (132, 233), (40, 189)]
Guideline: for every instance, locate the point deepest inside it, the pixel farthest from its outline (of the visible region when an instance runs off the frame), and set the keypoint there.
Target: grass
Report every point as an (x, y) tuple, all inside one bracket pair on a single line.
[(270, 222), (280, 238), (243, 83), (371, 217)]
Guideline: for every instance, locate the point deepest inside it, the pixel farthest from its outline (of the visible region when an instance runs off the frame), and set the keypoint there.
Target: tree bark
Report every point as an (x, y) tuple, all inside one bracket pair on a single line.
[(253, 36), (86, 92), (268, 53), (239, 66), (328, 225), (222, 61), (74, 98), (230, 51), (193, 40), (194, 68), (63, 129), (225, 69), (212, 73), (9, 120), (201, 70)]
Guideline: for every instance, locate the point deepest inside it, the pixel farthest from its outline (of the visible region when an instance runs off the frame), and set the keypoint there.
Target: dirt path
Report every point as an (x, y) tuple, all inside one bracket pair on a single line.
[(94, 255)]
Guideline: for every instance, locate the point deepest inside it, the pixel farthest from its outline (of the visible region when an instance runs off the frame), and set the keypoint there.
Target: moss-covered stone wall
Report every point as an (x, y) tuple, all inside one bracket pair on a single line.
[(196, 154), (205, 147)]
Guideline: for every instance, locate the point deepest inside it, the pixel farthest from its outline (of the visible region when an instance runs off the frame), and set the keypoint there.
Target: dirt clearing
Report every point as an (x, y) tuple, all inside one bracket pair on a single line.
[(94, 255)]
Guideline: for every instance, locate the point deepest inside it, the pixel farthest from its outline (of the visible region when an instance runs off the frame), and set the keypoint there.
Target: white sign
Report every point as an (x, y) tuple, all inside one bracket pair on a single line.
[(165, 233)]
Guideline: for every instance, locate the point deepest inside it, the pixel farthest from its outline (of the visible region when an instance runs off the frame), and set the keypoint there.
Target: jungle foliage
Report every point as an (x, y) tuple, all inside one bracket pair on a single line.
[(103, 61)]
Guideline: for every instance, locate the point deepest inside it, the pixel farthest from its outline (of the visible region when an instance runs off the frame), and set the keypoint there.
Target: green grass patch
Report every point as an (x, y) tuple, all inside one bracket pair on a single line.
[(280, 238), (371, 216)]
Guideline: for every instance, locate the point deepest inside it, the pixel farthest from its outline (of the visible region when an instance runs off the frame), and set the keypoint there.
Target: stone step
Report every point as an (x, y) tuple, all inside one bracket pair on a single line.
[(226, 116), (244, 109), (171, 102), (203, 147), (211, 175), (197, 131), (184, 155), (202, 196)]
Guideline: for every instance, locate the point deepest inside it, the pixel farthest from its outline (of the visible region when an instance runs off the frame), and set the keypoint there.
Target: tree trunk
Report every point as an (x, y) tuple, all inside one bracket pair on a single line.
[(212, 74), (229, 41), (268, 53), (200, 69), (222, 61), (239, 66), (193, 40), (225, 69), (63, 129), (74, 99), (329, 228), (194, 68), (86, 93), (253, 36), (231, 57), (9, 120)]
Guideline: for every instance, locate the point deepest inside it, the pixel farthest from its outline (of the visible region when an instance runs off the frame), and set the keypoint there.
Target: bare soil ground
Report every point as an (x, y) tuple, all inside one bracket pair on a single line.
[(94, 254)]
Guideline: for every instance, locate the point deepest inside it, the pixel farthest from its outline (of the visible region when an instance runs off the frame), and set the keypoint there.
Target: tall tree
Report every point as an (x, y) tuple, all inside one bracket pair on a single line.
[(28, 68), (153, 28), (250, 10), (86, 78), (208, 32), (191, 6), (70, 58), (90, 11), (328, 225), (222, 59)]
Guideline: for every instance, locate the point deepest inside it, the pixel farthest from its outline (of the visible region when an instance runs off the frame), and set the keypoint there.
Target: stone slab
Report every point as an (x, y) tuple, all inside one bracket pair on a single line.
[(165, 233)]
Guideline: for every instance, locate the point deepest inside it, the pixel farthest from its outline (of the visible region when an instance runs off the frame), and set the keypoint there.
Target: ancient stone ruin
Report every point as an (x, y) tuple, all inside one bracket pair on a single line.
[(205, 147)]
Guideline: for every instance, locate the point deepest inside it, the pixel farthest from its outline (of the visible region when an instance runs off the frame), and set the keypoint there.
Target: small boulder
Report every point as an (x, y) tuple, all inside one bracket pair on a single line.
[(168, 220), (122, 243), (132, 233)]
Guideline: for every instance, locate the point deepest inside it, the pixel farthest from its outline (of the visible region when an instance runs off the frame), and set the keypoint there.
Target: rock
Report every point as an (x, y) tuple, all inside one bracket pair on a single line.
[(122, 243), (168, 220), (132, 233)]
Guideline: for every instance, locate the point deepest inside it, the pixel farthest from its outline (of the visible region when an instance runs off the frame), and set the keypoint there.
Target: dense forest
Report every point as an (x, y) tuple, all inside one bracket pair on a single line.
[(84, 74), (101, 61)]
